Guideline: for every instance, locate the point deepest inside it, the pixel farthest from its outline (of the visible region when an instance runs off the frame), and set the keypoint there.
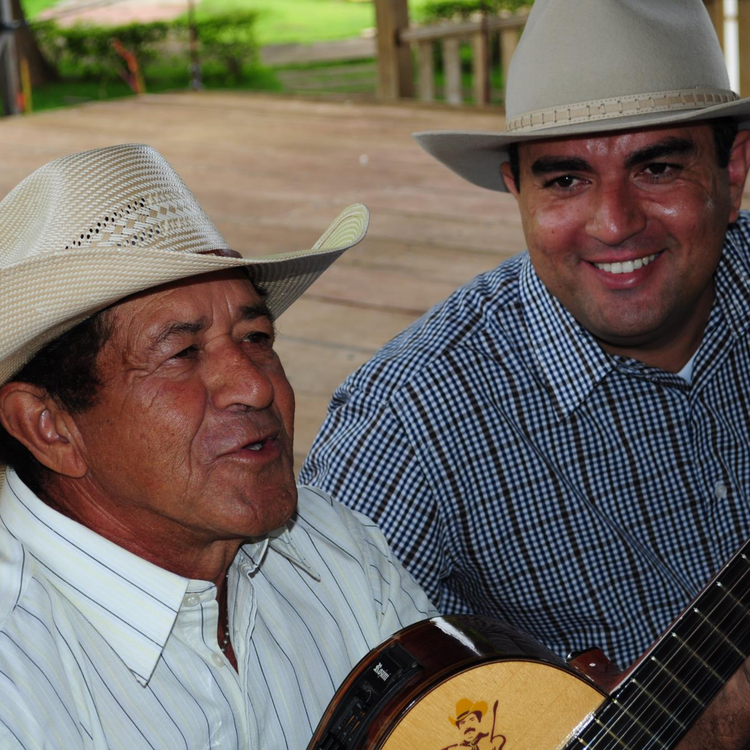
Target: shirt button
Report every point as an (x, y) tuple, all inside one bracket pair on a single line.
[(217, 660), (190, 600), (720, 490)]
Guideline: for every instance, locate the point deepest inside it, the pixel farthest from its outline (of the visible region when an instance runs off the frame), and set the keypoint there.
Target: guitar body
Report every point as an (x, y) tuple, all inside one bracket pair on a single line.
[(458, 679), (467, 681)]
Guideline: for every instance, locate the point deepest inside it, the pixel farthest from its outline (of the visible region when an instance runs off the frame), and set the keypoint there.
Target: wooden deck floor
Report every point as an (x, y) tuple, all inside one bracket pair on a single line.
[(273, 172)]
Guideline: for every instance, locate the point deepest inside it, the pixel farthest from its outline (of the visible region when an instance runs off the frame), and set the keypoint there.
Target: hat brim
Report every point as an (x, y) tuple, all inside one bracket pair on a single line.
[(477, 155), (88, 280)]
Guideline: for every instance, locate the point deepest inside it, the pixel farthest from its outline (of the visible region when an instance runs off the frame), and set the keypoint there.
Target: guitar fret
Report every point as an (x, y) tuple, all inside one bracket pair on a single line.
[(728, 593), (718, 632), (698, 657), (610, 733), (678, 682), (656, 702)]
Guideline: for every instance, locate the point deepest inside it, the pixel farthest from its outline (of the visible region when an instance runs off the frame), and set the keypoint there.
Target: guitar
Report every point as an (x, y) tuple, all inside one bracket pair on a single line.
[(470, 682)]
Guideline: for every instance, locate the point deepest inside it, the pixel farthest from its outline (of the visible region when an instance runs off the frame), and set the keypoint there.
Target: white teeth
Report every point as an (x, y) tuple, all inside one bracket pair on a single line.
[(255, 446), (627, 266)]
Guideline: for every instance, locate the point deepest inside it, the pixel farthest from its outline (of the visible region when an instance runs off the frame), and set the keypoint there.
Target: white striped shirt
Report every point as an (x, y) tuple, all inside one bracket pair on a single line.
[(101, 649)]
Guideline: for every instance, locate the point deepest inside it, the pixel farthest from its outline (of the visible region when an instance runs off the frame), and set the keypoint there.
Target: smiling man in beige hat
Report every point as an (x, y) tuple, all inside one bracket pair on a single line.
[(163, 583), (565, 441)]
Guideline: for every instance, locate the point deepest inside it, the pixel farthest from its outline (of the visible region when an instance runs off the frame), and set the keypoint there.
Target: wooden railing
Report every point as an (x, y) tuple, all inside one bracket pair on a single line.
[(450, 36), (395, 38)]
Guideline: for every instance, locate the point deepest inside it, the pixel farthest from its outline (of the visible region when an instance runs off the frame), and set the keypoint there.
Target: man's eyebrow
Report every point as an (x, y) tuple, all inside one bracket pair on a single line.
[(671, 146), (549, 164), (251, 312), (177, 328)]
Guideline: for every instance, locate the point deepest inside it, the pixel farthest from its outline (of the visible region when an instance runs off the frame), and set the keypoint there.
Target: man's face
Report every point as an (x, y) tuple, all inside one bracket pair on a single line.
[(191, 438), (468, 725), (626, 230)]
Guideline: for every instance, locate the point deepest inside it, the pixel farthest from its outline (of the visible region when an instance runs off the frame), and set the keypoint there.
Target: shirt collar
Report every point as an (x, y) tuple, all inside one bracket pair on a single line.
[(571, 360), (131, 602), (281, 541)]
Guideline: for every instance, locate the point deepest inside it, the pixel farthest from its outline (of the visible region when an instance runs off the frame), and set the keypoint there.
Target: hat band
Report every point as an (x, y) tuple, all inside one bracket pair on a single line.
[(621, 106)]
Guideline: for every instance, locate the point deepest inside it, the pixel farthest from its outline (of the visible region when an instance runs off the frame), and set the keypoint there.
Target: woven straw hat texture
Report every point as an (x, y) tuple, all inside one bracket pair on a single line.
[(89, 229), (593, 66)]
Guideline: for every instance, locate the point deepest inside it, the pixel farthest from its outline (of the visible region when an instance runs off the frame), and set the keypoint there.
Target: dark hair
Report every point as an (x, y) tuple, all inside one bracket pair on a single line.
[(66, 370), (724, 129)]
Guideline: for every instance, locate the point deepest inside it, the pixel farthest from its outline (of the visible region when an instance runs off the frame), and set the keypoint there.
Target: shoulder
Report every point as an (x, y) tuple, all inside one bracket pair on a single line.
[(487, 305), (16, 567), (353, 548), (327, 521), (738, 234)]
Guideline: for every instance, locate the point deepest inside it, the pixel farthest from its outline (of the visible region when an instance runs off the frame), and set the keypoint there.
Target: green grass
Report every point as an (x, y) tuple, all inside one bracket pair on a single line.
[(302, 21), (71, 91), (287, 21), (32, 7)]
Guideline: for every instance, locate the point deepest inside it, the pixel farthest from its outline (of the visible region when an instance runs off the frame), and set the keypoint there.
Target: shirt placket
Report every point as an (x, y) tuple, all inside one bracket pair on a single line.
[(207, 647), (243, 612)]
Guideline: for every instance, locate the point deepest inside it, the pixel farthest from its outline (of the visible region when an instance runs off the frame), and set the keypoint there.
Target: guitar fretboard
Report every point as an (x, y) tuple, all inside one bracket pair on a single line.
[(685, 669)]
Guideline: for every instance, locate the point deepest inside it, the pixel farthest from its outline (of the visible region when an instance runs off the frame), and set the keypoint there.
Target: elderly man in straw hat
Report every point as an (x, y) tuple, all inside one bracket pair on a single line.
[(565, 441), (163, 583)]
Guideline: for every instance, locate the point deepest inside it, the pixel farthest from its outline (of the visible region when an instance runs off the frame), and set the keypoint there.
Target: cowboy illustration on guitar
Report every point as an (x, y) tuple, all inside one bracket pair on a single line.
[(470, 722)]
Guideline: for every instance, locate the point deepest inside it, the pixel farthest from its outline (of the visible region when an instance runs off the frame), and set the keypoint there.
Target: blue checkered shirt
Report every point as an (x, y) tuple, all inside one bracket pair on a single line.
[(520, 471)]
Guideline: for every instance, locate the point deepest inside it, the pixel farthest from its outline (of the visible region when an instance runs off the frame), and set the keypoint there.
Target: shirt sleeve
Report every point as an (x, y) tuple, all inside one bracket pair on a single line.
[(364, 458)]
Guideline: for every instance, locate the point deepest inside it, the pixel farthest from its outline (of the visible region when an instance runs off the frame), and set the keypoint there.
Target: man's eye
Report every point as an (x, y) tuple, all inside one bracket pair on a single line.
[(661, 170), (259, 337), (563, 182), (185, 353)]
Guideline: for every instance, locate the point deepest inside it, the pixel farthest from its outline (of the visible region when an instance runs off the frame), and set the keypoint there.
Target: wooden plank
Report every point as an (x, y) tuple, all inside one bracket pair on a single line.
[(426, 65), (480, 62), (440, 31), (452, 70), (395, 74), (743, 25)]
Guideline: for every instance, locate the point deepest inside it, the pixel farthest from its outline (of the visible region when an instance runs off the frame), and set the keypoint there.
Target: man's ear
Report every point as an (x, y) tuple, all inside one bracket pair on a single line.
[(739, 163), (510, 183), (38, 422)]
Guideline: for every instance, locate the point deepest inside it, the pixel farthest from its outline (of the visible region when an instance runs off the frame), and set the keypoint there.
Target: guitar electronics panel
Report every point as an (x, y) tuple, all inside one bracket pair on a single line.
[(352, 718)]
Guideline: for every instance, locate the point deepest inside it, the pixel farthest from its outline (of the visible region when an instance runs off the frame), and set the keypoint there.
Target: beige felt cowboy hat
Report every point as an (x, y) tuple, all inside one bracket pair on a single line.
[(588, 66), (86, 230)]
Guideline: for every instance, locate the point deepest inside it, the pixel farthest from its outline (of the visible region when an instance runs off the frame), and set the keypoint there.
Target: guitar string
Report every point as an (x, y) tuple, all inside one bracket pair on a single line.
[(682, 657), (658, 735), (723, 635), (685, 658), (625, 713), (609, 736)]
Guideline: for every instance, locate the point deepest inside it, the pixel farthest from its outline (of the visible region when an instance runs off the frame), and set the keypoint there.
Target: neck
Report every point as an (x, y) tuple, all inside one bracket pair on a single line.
[(672, 350), (184, 553)]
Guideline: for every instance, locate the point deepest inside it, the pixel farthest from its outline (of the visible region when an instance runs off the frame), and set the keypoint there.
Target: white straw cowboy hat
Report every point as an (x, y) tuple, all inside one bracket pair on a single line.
[(87, 230), (589, 66)]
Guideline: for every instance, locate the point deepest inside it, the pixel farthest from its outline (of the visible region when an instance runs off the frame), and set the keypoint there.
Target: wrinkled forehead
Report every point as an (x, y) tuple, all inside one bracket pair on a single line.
[(221, 298)]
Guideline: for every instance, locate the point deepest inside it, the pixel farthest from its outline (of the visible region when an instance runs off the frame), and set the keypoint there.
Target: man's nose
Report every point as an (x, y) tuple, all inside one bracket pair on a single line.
[(237, 381), (616, 214)]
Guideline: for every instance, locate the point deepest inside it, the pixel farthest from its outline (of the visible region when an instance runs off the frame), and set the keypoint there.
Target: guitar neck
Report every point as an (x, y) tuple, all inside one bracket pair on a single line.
[(677, 678)]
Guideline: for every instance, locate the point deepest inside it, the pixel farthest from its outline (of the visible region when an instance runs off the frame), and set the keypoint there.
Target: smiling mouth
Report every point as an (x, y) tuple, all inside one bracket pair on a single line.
[(627, 266)]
